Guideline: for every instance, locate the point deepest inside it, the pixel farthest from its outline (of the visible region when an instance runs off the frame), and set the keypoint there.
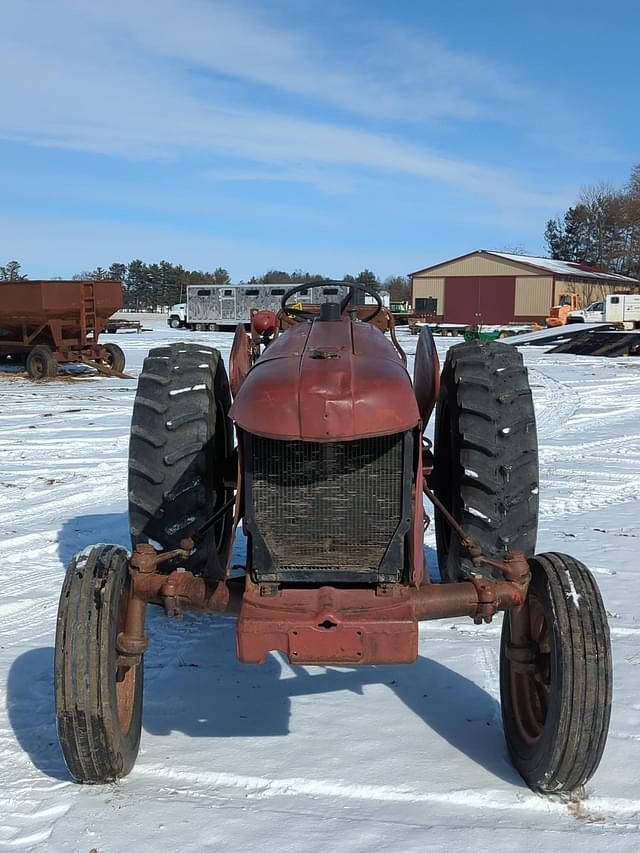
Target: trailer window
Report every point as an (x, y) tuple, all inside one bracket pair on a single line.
[(278, 291), (228, 293), (204, 293), (252, 292), (330, 291), (615, 300), (304, 292)]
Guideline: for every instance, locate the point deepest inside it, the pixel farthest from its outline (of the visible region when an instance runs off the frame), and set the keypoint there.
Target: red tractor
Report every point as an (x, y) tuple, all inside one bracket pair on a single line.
[(327, 478)]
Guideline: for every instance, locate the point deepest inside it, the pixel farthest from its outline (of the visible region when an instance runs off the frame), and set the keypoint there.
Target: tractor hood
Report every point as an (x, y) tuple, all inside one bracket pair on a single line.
[(324, 381)]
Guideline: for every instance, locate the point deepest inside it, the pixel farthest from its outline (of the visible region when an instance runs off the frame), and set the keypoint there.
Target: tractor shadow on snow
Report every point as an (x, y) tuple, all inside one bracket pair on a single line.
[(195, 685)]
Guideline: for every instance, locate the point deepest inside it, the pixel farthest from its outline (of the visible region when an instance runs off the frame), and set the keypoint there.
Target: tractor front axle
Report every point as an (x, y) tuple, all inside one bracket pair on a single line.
[(325, 625)]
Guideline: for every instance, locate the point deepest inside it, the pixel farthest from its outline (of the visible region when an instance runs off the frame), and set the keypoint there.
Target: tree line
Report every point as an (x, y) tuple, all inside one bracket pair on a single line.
[(147, 287), (602, 229)]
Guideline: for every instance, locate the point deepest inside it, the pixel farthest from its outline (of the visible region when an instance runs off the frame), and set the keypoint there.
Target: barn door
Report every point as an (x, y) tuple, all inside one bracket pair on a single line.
[(496, 299), (461, 299), (487, 300)]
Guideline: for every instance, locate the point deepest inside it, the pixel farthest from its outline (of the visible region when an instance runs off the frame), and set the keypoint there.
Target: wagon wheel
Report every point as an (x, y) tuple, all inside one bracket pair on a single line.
[(556, 690), (113, 357), (98, 698), (41, 364)]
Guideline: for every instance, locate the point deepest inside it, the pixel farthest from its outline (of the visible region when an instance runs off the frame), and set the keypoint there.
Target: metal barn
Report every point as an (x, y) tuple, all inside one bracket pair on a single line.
[(496, 287)]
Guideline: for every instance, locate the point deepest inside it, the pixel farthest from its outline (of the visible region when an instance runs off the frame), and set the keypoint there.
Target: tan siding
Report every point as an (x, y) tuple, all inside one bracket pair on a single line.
[(480, 265), (533, 295), (588, 291), (424, 287)]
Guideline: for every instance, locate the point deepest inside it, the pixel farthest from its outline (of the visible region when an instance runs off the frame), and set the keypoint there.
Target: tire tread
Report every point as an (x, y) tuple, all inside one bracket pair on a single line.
[(485, 387), (571, 746), (94, 748), (174, 473)]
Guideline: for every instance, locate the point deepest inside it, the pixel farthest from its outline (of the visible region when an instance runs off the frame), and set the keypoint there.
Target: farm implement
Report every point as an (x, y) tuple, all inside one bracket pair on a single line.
[(49, 323), (327, 478)]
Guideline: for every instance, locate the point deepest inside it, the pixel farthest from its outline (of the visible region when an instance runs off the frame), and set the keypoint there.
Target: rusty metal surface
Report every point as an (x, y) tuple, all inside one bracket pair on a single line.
[(66, 316), (480, 598), (327, 381), (94, 360), (182, 591), (328, 625), (363, 625), (38, 301), (239, 359), (128, 660)]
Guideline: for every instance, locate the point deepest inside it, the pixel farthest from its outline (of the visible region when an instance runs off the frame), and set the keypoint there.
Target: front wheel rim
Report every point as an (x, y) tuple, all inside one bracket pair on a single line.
[(126, 677), (531, 690)]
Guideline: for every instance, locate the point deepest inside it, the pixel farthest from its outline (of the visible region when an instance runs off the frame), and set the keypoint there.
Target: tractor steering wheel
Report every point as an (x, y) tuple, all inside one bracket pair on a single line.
[(300, 314)]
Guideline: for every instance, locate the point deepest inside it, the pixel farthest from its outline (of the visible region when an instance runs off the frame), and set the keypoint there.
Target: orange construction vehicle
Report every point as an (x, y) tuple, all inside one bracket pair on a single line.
[(558, 313)]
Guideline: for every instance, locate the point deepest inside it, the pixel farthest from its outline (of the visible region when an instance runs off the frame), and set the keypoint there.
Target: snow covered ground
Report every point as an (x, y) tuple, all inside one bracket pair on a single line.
[(247, 758)]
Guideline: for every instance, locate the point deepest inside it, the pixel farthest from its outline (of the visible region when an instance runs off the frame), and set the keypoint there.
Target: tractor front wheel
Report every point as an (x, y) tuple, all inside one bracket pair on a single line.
[(556, 688), (98, 698)]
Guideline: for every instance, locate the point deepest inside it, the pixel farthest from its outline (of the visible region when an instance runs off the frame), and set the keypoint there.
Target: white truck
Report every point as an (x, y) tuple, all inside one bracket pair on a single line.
[(210, 308), (620, 309), (177, 318)]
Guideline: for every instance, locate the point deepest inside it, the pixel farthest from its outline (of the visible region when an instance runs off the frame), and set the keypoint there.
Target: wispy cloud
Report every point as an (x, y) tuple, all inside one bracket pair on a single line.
[(136, 80), (239, 43)]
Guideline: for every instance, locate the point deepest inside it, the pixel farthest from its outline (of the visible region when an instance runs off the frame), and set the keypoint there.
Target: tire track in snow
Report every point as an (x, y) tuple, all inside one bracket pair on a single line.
[(555, 403), (574, 414), (64, 503), (212, 784)]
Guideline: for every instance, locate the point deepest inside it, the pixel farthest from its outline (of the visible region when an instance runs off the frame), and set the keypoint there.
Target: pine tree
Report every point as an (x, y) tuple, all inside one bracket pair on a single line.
[(221, 276), (368, 278), (11, 272), (117, 272)]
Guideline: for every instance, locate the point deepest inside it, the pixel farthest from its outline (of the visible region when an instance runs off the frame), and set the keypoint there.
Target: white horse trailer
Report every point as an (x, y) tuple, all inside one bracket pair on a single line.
[(214, 307)]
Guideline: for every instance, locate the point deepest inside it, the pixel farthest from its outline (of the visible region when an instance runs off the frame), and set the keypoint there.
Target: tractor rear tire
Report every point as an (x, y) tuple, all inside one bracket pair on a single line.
[(556, 710), (41, 364), (114, 358), (486, 456), (181, 436), (98, 702)]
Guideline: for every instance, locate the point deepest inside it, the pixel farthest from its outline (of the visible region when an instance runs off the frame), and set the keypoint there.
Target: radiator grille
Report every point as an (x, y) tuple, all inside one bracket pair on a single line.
[(327, 507)]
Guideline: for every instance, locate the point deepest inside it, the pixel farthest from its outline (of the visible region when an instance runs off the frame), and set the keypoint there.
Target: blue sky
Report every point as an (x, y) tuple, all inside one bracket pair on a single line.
[(328, 136)]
